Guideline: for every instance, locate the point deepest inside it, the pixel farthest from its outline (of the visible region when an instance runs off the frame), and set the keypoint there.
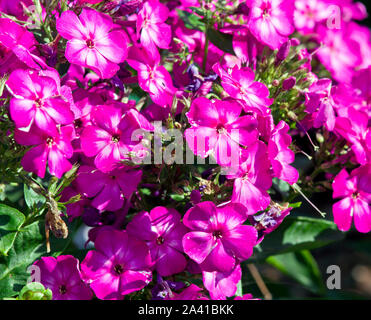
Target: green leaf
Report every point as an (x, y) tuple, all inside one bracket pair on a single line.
[(10, 222), (295, 204), (177, 197), (222, 40), (298, 233), (191, 21), (28, 246), (31, 197), (302, 267)]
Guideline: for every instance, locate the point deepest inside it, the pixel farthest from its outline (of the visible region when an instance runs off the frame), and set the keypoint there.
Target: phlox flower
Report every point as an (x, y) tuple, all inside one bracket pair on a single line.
[(270, 21), (119, 265), (112, 135), (252, 179), (357, 132), (163, 233), (308, 13), (152, 77), (152, 27), (280, 155), (218, 129), (54, 150), (93, 41), (222, 284), (218, 237), (62, 276), (354, 190), (110, 189), (239, 84), (17, 48), (37, 99), (320, 103), (339, 53)]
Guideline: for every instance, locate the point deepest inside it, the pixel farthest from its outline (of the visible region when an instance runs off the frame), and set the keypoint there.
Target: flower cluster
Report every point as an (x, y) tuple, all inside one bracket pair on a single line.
[(242, 83)]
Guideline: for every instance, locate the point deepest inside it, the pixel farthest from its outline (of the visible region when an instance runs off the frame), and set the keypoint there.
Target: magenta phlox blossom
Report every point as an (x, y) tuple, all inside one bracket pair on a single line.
[(152, 27), (271, 21), (112, 135), (152, 77), (108, 190), (62, 276), (219, 130), (17, 48), (93, 41), (320, 103), (37, 99), (218, 239), (54, 150), (163, 232), (357, 132), (119, 265), (239, 83), (354, 190)]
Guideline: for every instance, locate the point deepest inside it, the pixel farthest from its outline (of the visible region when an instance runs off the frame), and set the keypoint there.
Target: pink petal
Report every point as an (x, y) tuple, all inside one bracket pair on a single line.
[(200, 216), (362, 215), (35, 160), (171, 262), (22, 112), (114, 46), (203, 113), (240, 241), (134, 281), (70, 27), (198, 245), (342, 211), (219, 259), (93, 140), (201, 140), (109, 199), (58, 163), (76, 52)]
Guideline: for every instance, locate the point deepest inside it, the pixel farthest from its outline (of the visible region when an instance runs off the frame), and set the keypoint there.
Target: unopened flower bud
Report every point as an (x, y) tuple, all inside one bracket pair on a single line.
[(288, 83), (294, 42), (35, 291), (195, 196), (283, 51), (275, 83)]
